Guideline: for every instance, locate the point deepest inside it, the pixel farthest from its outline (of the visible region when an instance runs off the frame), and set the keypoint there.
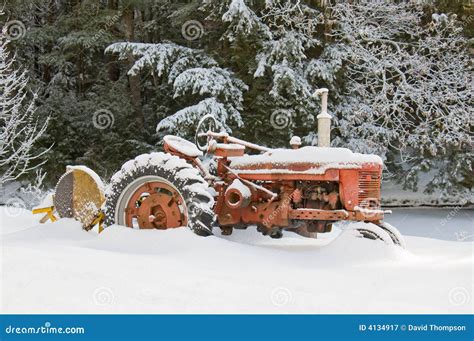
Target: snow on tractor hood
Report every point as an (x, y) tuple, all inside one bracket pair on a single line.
[(319, 156)]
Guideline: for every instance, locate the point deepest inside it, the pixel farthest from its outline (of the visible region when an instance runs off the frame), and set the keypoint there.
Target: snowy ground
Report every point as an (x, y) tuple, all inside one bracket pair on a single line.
[(58, 268)]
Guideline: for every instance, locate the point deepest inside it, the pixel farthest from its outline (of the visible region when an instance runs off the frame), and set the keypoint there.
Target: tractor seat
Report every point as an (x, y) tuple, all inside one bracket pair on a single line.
[(181, 146)]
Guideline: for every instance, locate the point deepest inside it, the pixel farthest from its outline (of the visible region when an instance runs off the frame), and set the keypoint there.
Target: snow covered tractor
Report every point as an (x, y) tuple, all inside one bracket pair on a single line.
[(300, 189)]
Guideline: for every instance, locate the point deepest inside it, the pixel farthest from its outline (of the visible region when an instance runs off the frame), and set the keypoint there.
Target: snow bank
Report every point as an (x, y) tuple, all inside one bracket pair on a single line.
[(393, 194), (60, 268), (14, 219)]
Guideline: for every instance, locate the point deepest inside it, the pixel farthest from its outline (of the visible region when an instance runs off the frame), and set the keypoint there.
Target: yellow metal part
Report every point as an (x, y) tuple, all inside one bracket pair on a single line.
[(99, 220), (49, 213), (50, 216)]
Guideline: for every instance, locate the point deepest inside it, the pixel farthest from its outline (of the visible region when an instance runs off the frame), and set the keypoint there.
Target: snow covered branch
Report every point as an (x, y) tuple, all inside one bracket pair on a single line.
[(408, 87), (188, 116), (412, 94), (19, 129), (190, 72)]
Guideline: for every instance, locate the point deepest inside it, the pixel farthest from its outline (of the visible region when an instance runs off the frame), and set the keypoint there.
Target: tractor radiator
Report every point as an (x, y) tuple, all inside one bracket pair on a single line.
[(369, 189)]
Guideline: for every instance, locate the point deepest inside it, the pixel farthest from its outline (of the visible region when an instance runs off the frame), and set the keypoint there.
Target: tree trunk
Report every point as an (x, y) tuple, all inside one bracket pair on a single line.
[(134, 81), (113, 70)]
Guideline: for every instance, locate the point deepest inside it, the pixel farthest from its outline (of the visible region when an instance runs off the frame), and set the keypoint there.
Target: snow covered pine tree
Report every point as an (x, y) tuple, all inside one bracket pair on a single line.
[(192, 74), (281, 37)]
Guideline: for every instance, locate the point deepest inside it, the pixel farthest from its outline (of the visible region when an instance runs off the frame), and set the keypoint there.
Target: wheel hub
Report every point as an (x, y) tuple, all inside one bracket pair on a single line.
[(155, 205)]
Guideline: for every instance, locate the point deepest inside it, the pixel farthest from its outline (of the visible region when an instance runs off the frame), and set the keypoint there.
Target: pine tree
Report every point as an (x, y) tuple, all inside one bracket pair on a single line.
[(280, 37), (189, 74), (270, 55)]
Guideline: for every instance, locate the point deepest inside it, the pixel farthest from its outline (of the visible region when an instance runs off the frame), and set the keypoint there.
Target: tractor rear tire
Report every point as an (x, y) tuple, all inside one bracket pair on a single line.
[(181, 192)]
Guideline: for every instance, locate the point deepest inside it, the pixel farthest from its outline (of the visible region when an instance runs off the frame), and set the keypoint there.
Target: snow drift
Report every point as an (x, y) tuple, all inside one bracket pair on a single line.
[(59, 268)]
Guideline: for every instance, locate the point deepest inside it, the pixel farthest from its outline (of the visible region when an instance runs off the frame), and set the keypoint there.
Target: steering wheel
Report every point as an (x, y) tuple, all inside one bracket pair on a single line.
[(206, 123)]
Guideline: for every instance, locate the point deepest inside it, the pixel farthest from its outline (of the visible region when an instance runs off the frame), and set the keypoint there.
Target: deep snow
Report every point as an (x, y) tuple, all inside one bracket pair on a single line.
[(58, 268)]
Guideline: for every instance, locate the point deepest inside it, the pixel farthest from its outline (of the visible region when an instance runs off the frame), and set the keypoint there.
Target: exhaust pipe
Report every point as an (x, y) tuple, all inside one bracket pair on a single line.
[(324, 119)]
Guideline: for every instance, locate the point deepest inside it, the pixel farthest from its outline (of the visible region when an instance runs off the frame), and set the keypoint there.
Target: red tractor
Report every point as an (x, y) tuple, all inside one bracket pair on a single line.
[(304, 190), (300, 189)]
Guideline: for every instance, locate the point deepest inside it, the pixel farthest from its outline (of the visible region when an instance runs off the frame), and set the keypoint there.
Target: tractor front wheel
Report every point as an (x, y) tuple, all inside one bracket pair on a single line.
[(394, 234), (159, 191), (371, 231)]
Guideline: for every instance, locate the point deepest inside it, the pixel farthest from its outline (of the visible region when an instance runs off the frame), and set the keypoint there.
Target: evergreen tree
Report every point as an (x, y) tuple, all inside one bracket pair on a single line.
[(176, 67), (254, 64)]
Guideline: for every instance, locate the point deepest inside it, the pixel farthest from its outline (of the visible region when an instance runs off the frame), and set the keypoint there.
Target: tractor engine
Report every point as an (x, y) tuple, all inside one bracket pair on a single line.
[(322, 195), (271, 190), (317, 194)]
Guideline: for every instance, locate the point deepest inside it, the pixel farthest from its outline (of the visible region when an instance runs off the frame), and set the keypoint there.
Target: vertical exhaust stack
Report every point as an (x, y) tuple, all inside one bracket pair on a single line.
[(324, 119)]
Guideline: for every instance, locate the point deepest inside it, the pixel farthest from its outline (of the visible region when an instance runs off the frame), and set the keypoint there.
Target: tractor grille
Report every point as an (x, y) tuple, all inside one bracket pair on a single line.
[(369, 189)]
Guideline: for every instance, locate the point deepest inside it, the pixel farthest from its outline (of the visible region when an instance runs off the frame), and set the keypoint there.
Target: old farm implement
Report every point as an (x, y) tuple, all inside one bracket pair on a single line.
[(222, 182)]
